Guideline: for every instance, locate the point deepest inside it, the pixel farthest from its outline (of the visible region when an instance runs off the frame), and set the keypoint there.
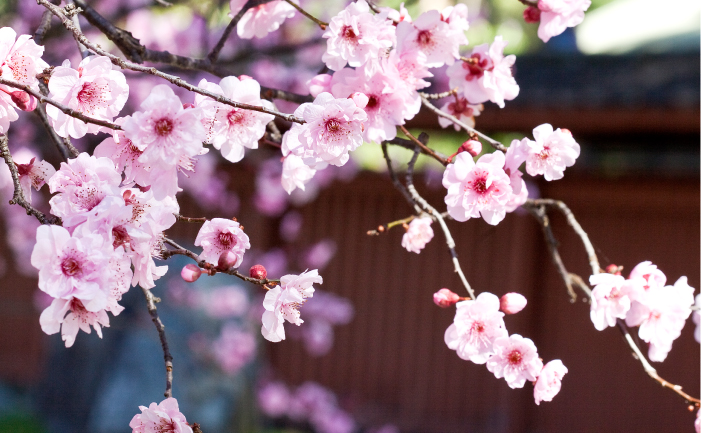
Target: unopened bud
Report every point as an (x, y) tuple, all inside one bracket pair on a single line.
[(512, 303), (614, 269), (258, 272), (473, 147), (227, 259), (191, 273), (23, 100), (444, 298), (531, 14)]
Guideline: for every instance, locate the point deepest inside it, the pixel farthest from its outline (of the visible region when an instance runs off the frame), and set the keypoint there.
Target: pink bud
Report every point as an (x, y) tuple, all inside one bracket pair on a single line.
[(188, 105), (613, 269), (512, 303), (190, 273), (531, 14), (444, 298), (227, 259), (473, 147), (23, 100), (320, 83), (258, 272), (360, 99)]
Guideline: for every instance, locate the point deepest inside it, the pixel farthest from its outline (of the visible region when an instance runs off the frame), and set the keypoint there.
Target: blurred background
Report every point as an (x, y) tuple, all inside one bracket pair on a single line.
[(370, 356)]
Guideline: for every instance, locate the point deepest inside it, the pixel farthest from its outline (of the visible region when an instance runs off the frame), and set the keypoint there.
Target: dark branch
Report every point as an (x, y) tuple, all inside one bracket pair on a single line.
[(167, 357)]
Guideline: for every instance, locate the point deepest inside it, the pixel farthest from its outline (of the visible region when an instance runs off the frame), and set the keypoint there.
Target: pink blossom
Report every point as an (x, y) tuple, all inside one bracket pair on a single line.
[(517, 200), (516, 360), (516, 155), (232, 129), (434, 37), (160, 418), (120, 149), (319, 254), (551, 152), (463, 110), (169, 137), (218, 235), (410, 67), (488, 75), (234, 348), (295, 173), (476, 326), (95, 89), (476, 189), (33, 175), (190, 273), (355, 36), (609, 299), (390, 101), (20, 61), (697, 423), (319, 84), (274, 399), (262, 19), (512, 303), (418, 234), (82, 183), (397, 16), (71, 316), (557, 15), (696, 318), (662, 317), (644, 277), (334, 127), (549, 381), (283, 302)]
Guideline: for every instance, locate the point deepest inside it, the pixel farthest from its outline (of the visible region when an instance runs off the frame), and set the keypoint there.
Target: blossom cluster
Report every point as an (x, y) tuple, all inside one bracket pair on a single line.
[(478, 334), (162, 417), (644, 300)]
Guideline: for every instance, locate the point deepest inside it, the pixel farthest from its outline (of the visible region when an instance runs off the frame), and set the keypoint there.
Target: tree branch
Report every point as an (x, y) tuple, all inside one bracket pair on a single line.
[(167, 357)]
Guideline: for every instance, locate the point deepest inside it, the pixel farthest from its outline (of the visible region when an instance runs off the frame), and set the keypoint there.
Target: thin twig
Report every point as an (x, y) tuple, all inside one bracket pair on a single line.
[(320, 23), (214, 54), (395, 180), (167, 357), (437, 215), (439, 95), (73, 12), (423, 147), (189, 219), (18, 197), (495, 144), (124, 64)]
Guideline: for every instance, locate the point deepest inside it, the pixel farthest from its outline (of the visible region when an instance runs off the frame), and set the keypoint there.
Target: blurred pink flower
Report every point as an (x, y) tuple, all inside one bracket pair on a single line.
[(549, 381), (418, 234)]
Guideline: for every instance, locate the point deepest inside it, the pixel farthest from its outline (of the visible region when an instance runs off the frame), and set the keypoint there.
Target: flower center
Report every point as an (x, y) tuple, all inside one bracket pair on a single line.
[(227, 240), (121, 237), (514, 357), (480, 185), (333, 125), (347, 32), (163, 127), (424, 38), (89, 96), (235, 116), (476, 66), (372, 102), (70, 267), (460, 107), (77, 306)]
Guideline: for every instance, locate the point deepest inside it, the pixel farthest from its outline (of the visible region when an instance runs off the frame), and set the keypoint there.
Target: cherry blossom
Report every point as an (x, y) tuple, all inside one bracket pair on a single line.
[(410, 67), (20, 61), (71, 316), (551, 152), (234, 348), (262, 19), (333, 128), (644, 277), (120, 149), (557, 15), (397, 16), (476, 189), (445, 298), (418, 234), (662, 317), (232, 129), (609, 300), (487, 75), (512, 303), (476, 326), (295, 173), (274, 399), (319, 84), (283, 302), (169, 137), (82, 183), (390, 101), (160, 418), (463, 110), (94, 89), (549, 381), (219, 235), (434, 37), (516, 360), (516, 155), (355, 36), (33, 174)]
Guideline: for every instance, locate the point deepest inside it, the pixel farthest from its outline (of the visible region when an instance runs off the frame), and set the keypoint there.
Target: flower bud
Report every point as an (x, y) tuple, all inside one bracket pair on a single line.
[(190, 273), (227, 259), (531, 14), (258, 272), (473, 147), (512, 303), (614, 269), (23, 100), (320, 83), (444, 298)]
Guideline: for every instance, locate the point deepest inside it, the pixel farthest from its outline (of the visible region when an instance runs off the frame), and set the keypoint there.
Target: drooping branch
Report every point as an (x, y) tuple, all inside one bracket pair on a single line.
[(167, 357), (124, 64), (494, 143), (395, 180), (18, 197)]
